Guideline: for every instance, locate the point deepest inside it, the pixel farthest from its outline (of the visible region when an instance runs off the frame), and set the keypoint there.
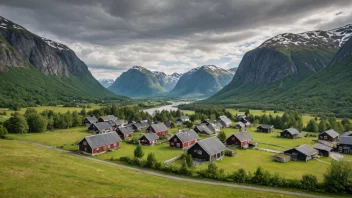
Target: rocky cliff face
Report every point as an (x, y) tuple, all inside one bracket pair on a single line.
[(296, 55), (202, 82)]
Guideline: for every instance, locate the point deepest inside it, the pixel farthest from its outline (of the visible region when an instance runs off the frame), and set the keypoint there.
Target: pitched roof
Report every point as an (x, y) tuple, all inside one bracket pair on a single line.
[(243, 136), (141, 125), (212, 145), (168, 123), (117, 122), (345, 140), (266, 126), (99, 140), (143, 121), (326, 143), (292, 131), (332, 133), (241, 124), (150, 136), (108, 117), (91, 119), (204, 128), (125, 130), (102, 125), (305, 149), (186, 136), (225, 119), (322, 147), (349, 133), (184, 117), (160, 127)]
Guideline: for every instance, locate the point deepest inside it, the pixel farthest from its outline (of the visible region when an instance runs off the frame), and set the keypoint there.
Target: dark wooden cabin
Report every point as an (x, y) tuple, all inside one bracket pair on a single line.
[(329, 135), (124, 132), (240, 139), (203, 129), (159, 129), (291, 133), (209, 149), (345, 143), (265, 128), (100, 127), (303, 152), (140, 126), (106, 118), (100, 143), (183, 139), (148, 139), (323, 149), (89, 120)]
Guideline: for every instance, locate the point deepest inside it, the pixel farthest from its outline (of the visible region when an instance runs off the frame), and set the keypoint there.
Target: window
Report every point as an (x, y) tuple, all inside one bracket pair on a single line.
[(175, 139), (325, 137), (177, 144), (199, 152), (233, 138), (172, 143), (84, 143)]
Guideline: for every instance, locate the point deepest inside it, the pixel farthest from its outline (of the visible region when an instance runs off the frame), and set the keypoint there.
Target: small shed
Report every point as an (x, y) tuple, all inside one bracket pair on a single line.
[(265, 128), (291, 133), (323, 149), (225, 121), (303, 152), (281, 158)]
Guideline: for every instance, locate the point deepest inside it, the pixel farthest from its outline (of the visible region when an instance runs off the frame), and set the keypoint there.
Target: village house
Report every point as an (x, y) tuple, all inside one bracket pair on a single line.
[(345, 143), (303, 152), (291, 133), (265, 128), (183, 139), (212, 125), (240, 139), (106, 118), (329, 135), (159, 129), (140, 126), (209, 149), (168, 124), (241, 117), (225, 121), (148, 139), (124, 132), (240, 125), (100, 127), (281, 158), (89, 120), (182, 119), (323, 149), (100, 143), (203, 129)]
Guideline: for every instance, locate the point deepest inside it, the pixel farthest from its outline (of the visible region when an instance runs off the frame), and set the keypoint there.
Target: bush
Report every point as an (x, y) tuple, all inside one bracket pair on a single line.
[(309, 182), (230, 153), (3, 132), (222, 136)]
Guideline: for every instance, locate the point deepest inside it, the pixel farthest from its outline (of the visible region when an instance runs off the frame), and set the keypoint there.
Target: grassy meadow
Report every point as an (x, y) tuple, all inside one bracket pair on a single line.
[(32, 171)]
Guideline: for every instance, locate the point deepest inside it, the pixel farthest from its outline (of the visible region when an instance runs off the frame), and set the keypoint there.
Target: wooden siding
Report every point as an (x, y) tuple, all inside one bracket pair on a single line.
[(326, 137), (175, 142)]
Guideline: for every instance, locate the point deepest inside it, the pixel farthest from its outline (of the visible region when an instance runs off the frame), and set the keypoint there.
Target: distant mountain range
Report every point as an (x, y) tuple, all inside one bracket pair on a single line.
[(37, 71), (285, 64), (106, 82)]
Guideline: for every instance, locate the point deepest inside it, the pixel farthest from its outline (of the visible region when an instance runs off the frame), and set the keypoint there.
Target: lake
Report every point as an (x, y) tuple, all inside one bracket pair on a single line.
[(166, 107)]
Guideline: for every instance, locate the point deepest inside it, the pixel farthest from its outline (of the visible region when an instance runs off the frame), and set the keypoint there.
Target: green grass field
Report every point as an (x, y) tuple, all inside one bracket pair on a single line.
[(32, 171)]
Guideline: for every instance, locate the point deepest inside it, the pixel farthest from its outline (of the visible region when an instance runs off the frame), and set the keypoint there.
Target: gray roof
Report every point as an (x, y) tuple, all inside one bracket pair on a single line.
[(168, 123), (102, 125), (141, 125), (349, 133), (332, 133), (326, 143), (212, 145), (186, 136), (184, 117), (347, 140), (125, 130), (293, 131), (108, 118), (150, 136), (243, 136), (160, 127), (117, 122), (266, 126), (143, 121), (225, 119), (99, 140), (305, 149), (204, 128), (241, 124), (322, 147), (92, 119)]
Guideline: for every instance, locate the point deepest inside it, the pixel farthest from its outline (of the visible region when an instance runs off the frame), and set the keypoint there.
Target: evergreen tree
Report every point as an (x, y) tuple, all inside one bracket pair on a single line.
[(151, 160), (222, 136), (3, 132), (312, 126), (189, 161), (138, 152)]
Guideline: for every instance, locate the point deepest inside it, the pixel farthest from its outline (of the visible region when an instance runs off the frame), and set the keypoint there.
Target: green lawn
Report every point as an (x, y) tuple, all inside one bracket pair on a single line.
[(32, 171)]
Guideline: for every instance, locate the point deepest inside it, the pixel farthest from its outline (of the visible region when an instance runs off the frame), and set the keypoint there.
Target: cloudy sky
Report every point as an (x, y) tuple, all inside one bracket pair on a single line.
[(170, 35)]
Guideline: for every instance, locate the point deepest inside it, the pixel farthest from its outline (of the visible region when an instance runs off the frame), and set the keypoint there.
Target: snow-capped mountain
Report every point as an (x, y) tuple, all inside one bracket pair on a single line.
[(106, 82), (330, 38), (202, 82)]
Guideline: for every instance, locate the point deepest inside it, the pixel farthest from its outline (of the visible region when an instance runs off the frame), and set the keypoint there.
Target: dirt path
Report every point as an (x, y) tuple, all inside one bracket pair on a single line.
[(176, 177)]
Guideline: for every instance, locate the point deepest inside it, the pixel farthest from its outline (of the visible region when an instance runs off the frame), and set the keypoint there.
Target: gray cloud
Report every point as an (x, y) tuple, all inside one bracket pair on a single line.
[(114, 35)]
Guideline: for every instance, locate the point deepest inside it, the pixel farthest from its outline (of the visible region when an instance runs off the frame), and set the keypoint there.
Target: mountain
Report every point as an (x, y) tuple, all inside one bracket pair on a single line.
[(233, 70), (140, 82), (106, 82), (280, 73), (201, 82), (37, 71)]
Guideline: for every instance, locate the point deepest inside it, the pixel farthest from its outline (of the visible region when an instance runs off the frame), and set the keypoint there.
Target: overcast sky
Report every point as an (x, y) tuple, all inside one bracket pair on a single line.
[(170, 36)]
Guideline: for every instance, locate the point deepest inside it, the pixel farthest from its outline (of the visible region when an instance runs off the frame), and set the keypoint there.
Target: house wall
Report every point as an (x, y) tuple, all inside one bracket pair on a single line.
[(104, 148), (175, 142), (346, 149), (326, 137), (84, 147), (286, 134), (294, 154), (198, 152), (233, 140), (145, 141)]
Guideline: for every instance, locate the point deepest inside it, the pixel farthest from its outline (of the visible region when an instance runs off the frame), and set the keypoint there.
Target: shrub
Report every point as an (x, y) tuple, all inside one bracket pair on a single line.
[(230, 153), (309, 182), (138, 152)]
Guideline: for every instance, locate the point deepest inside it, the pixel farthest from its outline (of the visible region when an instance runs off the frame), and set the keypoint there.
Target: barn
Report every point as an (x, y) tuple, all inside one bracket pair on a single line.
[(329, 135), (183, 139), (303, 152), (203, 129), (106, 118), (209, 149), (148, 139), (345, 143), (265, 128), (240, 139), (124, 132), (100, 143), (224, 121), (291, 133), (323, 149), (100, 127), (159, 129), (281, 158), (89, 120)]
